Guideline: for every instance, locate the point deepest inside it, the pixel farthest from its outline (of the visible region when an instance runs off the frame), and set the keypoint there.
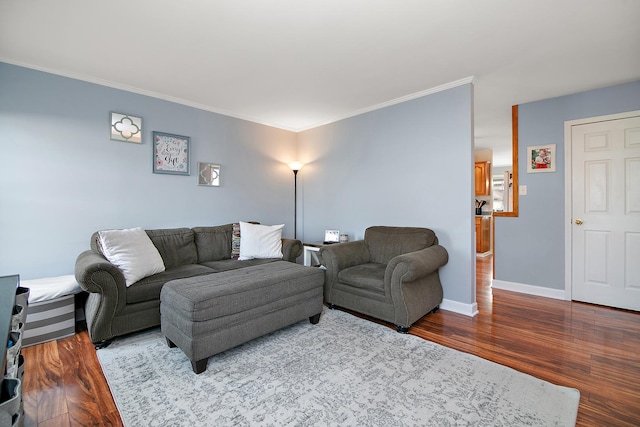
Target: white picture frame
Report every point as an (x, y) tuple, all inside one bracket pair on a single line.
[(208, 174), (125, 127), (541, 158), (331, 236)]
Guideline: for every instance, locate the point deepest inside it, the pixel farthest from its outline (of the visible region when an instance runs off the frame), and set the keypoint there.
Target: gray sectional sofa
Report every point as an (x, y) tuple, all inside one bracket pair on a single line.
[(113, 309)]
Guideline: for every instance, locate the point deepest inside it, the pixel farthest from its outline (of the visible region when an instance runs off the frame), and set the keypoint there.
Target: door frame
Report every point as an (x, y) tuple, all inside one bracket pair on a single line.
[(568, 193)]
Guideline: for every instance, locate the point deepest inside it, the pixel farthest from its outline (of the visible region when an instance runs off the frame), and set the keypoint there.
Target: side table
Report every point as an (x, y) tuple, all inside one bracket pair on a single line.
[(310, 253)]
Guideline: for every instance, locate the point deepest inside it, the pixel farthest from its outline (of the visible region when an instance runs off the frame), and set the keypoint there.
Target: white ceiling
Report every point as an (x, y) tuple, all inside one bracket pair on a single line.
[(297, 64)]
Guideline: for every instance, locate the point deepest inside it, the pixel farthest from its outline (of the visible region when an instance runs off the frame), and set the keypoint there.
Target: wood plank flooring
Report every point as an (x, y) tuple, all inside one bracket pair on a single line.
[(594, 349)]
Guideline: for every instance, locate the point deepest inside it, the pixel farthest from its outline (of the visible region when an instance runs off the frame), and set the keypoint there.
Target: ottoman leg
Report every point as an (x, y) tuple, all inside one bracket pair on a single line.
[(314, 319), (170, 343), (199, 366)]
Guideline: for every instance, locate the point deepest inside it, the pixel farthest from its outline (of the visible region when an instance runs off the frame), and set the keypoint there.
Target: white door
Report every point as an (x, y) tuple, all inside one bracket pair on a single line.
[(605, 228)]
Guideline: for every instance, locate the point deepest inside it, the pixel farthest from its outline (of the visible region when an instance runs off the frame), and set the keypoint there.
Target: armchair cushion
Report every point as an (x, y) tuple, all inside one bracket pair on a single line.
[(368, 276), (385, 243)]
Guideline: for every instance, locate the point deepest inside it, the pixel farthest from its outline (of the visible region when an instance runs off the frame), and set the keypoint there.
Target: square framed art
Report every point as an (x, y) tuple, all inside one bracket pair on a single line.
[(209, 174), (541, 158), (127, 128), (170, 153)]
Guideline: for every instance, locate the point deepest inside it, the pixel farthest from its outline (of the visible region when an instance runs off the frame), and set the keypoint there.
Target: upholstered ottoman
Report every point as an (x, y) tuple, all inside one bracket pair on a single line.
[(206, 315)]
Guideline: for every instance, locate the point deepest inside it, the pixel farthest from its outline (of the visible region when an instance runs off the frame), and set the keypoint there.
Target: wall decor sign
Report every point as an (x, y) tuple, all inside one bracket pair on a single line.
[(170, 153), (126, 128), (209, 174), (541, 158)]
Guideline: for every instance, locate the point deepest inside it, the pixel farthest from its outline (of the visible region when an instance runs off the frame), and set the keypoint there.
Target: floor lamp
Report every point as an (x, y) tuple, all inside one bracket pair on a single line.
[(295, 167)]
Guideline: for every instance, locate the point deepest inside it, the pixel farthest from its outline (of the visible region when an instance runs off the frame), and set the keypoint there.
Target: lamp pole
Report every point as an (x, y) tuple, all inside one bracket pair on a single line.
[(295, 203), (295, 167)]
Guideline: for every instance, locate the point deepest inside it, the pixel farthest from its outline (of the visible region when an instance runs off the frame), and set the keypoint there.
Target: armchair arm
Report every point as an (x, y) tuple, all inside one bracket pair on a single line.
[(413, 282), (414, 265), (291, 249), (338, 257), (343, 255)]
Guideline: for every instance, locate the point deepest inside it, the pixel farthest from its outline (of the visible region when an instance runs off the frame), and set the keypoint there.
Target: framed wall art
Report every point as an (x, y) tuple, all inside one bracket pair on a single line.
[(126, 128), (170, 153), (541, 158), (209, 174)]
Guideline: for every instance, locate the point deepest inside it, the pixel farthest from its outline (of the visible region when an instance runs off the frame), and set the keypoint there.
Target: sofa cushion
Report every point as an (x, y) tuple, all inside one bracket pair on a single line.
[(131, 251), (148, 289), (232, 264), (176, 246), (213, 243), (260, 241), (386, 243), (368, 276)]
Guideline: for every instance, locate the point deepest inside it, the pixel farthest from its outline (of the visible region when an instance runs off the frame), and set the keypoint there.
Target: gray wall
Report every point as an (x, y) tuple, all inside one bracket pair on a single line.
[(62, 178), (409, 164), (530, 249)]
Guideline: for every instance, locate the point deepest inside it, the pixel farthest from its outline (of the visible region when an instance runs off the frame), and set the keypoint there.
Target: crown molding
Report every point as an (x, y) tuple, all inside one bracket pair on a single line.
[(416, 95), (157, 95)]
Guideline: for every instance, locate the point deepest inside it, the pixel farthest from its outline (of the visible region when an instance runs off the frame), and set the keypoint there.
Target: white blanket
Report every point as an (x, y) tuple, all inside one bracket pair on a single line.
[(51, 287)]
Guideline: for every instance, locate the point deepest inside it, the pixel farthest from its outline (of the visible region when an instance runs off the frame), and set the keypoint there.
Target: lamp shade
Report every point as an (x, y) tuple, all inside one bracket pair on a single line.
[(295, 166)]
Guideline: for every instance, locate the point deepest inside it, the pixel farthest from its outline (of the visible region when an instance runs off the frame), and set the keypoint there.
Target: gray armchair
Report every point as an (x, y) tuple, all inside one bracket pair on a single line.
[(391, 275)]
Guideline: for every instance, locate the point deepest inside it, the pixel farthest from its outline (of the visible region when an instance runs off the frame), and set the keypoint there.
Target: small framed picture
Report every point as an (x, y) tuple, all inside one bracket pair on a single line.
[(209, 174), (126, 128), (541, 158), (331, 236), (170, 153)]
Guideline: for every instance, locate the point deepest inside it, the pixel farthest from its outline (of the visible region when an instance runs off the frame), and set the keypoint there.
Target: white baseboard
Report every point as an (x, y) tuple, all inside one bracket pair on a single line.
[(529, 289), (471, 310), (459, 307)]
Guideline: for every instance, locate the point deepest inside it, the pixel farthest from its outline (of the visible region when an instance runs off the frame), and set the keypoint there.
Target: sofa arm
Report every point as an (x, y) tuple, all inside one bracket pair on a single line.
[(88, 264), (291, 249), (107, 293), (414, 265)]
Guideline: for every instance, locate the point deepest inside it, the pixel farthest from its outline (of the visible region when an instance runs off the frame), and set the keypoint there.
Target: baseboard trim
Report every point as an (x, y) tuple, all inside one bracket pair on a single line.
[(470, 310), (528, 289)]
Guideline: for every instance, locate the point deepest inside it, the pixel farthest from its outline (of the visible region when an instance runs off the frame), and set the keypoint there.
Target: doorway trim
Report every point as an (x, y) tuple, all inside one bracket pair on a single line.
[(568, 194)]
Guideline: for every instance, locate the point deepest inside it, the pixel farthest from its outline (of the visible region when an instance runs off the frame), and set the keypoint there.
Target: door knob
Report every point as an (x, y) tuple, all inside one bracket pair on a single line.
[(578, 221)]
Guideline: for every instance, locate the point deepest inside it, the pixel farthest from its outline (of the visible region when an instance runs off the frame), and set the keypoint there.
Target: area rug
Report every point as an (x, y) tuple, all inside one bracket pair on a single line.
[(344, 371)]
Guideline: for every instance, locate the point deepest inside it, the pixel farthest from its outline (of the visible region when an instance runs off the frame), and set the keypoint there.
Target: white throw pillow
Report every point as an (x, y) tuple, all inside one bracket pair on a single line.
[(260, 241), (132, 251)]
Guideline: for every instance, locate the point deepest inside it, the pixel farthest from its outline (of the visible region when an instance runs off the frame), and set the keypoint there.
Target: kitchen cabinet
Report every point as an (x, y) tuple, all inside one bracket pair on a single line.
[(483, 234), (482, 175)]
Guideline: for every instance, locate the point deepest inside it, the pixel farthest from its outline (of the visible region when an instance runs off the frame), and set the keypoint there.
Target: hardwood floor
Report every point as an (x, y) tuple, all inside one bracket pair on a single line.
[(594, 349)]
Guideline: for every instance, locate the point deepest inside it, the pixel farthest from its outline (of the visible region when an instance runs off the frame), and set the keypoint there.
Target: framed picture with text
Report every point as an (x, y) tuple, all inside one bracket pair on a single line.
[(170, 153)]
